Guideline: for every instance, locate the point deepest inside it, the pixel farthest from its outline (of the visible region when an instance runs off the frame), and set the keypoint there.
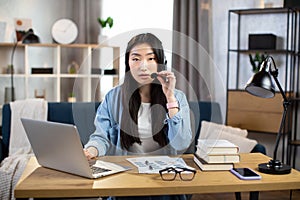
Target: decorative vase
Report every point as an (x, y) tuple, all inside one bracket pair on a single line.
[(73, 68), (71, 99), (40, 93)]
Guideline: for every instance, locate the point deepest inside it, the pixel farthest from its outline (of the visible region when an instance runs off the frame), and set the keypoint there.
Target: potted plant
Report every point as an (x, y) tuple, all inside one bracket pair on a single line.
[(108, 22), (71, 97), (256, 61)]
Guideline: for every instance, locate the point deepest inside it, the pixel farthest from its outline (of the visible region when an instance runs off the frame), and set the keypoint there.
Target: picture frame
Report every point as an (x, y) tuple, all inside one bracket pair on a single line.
[(22, 25)]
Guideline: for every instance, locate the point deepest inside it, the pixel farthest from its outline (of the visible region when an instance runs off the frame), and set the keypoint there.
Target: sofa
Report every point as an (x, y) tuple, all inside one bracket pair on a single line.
[(82, 115)]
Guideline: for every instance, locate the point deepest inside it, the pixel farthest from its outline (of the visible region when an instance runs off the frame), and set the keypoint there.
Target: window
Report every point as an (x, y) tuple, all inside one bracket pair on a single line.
[(155, 16), (132, 17), (137, 14)]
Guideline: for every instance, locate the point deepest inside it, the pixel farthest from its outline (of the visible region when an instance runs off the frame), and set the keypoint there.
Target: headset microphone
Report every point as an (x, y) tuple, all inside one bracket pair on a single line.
[(155, 75)]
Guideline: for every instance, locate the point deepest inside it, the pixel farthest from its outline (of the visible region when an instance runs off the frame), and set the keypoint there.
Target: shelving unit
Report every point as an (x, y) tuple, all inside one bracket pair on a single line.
[(294, 137), (279, 21), (59, 84)]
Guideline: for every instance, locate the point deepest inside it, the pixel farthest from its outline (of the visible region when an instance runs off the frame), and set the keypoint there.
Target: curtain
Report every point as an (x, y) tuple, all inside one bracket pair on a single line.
[(190, 52), (85, 14)]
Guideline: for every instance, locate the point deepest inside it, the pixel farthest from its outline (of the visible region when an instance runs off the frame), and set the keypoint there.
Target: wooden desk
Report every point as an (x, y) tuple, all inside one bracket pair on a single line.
[(42, 182)]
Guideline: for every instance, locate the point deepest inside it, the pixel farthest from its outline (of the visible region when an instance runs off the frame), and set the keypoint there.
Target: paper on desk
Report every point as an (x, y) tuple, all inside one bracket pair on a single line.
[(110, 166), (152, 164)]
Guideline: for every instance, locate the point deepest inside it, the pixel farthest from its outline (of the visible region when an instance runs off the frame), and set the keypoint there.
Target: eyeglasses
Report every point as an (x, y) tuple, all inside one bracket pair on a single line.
[(185, 174)]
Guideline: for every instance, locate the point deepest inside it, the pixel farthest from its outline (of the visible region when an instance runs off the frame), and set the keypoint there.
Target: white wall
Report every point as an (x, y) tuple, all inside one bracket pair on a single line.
[(132, 17), (42, 12)]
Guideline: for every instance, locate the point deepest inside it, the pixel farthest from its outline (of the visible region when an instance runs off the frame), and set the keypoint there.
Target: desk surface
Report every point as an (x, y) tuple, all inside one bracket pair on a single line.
[(38, 181)]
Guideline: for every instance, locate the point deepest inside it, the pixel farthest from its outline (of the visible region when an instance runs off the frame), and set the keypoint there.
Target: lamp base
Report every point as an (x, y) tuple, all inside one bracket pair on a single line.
[(274, 167)]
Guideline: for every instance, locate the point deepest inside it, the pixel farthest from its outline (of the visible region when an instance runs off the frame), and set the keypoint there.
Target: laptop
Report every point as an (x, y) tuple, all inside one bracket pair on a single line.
[(58, 146)]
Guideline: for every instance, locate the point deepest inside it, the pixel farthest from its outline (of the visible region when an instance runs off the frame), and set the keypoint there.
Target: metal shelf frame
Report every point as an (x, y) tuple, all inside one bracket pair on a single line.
[(290, 53)]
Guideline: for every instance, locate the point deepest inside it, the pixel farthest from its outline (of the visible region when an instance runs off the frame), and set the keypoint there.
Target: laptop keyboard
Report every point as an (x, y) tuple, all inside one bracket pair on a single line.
[(96, 170)]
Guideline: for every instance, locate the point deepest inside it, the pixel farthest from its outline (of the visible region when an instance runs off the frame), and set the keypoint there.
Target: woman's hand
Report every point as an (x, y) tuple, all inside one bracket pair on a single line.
[(90, 153), (168, 82)]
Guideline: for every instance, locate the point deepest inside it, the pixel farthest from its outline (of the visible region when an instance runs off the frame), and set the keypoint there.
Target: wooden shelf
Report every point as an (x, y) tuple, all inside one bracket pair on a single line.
[(295, 142), (275, 51), (59, 83), (75, 45)]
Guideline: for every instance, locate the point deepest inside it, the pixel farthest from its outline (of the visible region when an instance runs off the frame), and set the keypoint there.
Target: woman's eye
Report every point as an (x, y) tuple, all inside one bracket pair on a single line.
[(135, 59), (152, 59)]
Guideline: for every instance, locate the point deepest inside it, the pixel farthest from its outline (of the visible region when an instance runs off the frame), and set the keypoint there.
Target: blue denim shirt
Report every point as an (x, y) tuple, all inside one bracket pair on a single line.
[(106, 137)]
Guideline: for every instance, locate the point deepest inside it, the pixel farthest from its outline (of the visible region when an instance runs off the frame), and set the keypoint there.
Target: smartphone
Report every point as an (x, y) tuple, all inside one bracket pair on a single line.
[(245, 174)]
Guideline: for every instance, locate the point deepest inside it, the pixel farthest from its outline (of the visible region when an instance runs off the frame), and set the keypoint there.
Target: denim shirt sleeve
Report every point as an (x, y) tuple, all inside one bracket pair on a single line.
[(179, 133), (106, 126)]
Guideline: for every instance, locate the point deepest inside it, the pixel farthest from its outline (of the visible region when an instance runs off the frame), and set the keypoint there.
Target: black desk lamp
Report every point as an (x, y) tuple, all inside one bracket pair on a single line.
[(261, 85), (27, 38)]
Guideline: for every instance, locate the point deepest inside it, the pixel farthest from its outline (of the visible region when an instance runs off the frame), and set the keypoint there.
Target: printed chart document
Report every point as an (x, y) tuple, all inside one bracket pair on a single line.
[(152, 164)]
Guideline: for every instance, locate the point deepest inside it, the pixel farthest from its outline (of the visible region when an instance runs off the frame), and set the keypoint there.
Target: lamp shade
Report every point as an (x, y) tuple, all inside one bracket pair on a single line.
[(261, 85), (30, 37)]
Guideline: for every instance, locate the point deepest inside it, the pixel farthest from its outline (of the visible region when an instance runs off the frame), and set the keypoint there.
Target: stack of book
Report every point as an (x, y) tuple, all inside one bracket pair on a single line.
[(216, 154)]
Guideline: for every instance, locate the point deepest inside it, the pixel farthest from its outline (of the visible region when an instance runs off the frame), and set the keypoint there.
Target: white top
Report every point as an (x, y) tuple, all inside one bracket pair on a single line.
[(145, 132)]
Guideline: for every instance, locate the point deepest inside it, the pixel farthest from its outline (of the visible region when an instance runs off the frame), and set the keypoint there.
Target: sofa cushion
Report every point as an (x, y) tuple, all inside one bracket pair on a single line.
[(202, 110), (81, 114)]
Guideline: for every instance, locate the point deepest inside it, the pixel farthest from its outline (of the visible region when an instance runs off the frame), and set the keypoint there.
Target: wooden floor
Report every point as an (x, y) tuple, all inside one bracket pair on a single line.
[(276, 195)]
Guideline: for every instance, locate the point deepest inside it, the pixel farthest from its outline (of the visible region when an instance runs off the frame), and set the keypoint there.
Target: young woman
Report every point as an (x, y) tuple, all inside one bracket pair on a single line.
[(144, 115)]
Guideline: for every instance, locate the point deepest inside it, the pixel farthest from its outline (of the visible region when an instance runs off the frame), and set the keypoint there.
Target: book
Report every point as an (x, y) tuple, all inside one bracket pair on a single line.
[(218, 158), (205, 166), (217, 146)]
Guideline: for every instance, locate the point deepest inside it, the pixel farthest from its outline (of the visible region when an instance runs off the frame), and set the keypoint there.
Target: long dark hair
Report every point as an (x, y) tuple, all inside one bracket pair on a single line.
[(131, 99)]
